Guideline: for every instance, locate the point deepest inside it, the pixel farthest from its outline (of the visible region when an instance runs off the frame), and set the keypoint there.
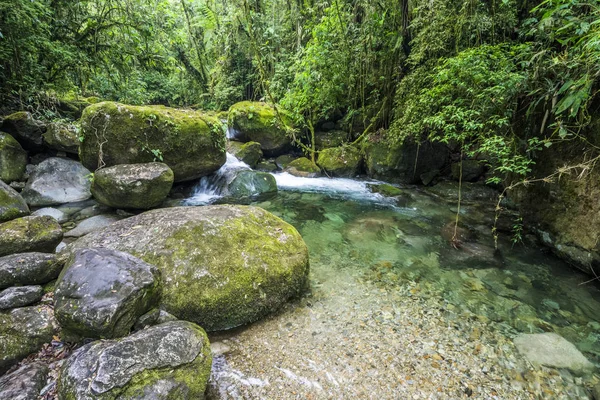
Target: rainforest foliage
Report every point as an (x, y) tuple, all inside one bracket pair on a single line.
[(504, 78)]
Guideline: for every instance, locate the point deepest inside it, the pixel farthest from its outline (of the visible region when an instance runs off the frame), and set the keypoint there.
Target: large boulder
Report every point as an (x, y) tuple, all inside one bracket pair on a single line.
[(62, 137), (12, 205), (140, 186), (28, 269), (27, 130), (403, 162), (342, 161), (28, 234), (25, 383), (57, 181), (23, 331), (101, 293), (191, 143), (20, 296), (13, 159), (167, 361), (249, 153), (259, 122), (222, 266), (252, 183)]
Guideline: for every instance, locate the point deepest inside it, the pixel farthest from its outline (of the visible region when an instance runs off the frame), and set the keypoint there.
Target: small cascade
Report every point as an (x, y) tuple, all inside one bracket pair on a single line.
[(210, 188)]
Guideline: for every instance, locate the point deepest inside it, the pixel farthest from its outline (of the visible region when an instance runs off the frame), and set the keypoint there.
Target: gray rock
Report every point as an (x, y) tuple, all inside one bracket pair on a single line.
[(92, 224), (211, 258), (13, 159), (71, 209), (33, 233), (20, 296), (57, 181), (266, 166), (23, 331), (27, 130), (153, 317), (552, 350), (101, 293), (28, 269), (141, 186), (25, 383), (252, 183), (168, 361), (55, 213), (12, 204), (62, 137)]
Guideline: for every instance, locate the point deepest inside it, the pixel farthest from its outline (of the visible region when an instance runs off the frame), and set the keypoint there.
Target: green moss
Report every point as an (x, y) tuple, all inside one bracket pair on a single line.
[(250, 153), (304, 164), (386, 190), (35, 233), (13, 159), (340, 161)]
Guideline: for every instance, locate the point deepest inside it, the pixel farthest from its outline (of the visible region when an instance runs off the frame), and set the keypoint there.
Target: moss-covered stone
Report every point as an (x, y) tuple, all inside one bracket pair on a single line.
[(222, 266), (25, 129), (386, 189), (252, 183), (342, 161), (303, 167), (284, 160), (250, 153), (28, 269), (191, 143), (72, 107), (33, 233), (140, 186), (258, 122), (167, 361), (12, 205), (334, 138), (62, 137), (13, 159)]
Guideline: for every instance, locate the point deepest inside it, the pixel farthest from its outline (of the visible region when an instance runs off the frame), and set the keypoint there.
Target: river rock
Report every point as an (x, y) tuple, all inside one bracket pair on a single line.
[(62, 137), (23, 331), (340, 161), (283, 161), (25, 129), (101, 293), (55, 213), (303, 168), (57, 181), (167, 361), (222, 266), (20, 296), (334, 138), (472, 170), (30, 233), (92, 224), (190, 142), (252, 183), (13, 159), (140, 186), (249, 153), (12, 205), (25, 383), (28, 269), (552, 350), (258, 122)]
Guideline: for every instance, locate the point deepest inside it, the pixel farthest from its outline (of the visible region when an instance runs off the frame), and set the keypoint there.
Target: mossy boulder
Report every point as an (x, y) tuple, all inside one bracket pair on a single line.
[(141, 186), (334, 138), (101, 293), (252, 183), (342, 161), (222, 266), (72, 107), (167, 361), (25, 129), (28, 269), (303, 168), (13, 159), (258, 122), (250, 152), (62, 137), (32, 233), (284, 160), (12, 205), (23, 331), (404, 161), (385, 189), (190, 142)]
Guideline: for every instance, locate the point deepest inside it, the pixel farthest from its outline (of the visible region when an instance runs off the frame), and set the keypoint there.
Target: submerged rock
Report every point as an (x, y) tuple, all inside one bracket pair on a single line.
[(303, 168), (340, 161), (92, 224), (13, 159), (31, 233), (27, 130), (168, 361), (141, 186), (62, 137), (552, 350), (191, 143), (12, 205), (222, 266), (25, 383), (20, 296), (57, 181), (28, 269), (258, 122), (23, 331), (101, 293), (252, 183)]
